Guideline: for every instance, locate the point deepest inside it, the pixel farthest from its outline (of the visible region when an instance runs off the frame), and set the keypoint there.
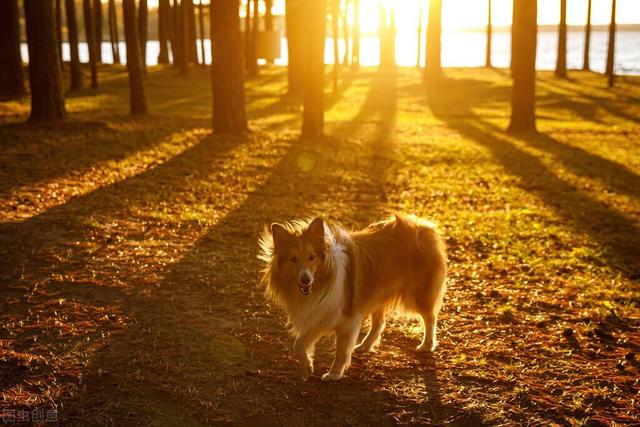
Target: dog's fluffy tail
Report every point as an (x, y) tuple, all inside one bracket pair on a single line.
[(432, 259)]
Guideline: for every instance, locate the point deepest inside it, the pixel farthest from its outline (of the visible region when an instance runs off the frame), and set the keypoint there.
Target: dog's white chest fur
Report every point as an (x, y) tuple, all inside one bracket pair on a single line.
[(324, 311)]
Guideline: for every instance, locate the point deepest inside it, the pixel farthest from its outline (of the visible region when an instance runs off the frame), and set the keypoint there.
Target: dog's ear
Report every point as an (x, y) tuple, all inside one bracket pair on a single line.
[(316, 228), (280, 235)]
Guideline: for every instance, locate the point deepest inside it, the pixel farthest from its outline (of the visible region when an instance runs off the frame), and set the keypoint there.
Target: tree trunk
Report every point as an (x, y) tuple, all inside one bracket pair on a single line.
[(295, 46), (419, 52), (181, 37), (387, 37), (89, 32), (227, 71), (113, 32), (137, 96), (59, 30), (97, 10), (247, 34), (433, 67), (345, 33), (201, 25), (523, 64), (47, 102), (191, 32), (314, 15), (163, 31), (355, 53), (174, 32), (561, 63), (335, 19), (72, 30), (610, 71), (143, 31), (487, 61), (255, 29), (11, 79), (587, 38), (268, 16)]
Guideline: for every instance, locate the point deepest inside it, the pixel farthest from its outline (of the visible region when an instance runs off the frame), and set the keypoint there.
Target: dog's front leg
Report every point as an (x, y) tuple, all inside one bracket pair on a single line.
[(346, 337), (303, 349)]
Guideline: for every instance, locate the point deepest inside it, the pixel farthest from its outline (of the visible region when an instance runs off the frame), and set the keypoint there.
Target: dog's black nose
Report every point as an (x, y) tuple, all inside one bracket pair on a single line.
[(305, 279)]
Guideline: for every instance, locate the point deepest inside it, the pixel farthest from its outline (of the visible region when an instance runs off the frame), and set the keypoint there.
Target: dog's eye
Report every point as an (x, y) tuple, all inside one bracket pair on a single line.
[(312, 257), (293, 259)]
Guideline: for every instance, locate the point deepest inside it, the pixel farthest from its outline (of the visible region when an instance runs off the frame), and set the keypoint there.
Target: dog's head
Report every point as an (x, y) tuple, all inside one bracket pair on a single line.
[(300, 257)]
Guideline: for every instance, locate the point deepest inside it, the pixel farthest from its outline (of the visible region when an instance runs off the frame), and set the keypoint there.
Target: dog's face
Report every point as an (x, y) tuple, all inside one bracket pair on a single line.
[(300, 258)]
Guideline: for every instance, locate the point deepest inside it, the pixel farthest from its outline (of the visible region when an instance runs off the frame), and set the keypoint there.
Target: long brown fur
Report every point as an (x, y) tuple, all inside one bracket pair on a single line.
[(399, 264)]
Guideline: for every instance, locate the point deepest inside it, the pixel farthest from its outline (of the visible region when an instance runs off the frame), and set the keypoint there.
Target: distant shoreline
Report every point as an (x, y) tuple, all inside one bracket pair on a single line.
[(507, 28)]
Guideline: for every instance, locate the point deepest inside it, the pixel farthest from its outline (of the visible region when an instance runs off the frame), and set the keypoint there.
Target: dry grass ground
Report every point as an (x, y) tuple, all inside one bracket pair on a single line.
[(128, 248)]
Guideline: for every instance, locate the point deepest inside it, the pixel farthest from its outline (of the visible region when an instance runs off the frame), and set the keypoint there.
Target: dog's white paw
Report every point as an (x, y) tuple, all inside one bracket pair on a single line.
[(427, 346), (306, 371), (330, 376), (364, 348)]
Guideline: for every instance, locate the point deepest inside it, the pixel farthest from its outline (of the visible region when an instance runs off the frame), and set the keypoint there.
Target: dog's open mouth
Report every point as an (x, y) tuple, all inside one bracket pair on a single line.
[(305, 290)]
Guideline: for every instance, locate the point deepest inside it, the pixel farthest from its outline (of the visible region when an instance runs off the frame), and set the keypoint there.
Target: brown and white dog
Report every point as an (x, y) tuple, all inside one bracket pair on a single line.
[(329, 280)]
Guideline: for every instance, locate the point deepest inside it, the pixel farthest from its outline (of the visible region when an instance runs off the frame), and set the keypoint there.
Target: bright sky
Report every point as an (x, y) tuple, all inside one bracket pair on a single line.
[(460, 14)]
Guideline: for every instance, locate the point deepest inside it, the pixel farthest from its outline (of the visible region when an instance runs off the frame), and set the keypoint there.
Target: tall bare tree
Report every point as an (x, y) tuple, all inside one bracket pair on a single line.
[(97, 20), (137, 97), (72, 32), (345, 33), (181, 54), (227, 70), (164, 16), (487, 60), (420, 16), (175, 35), (201, 32), (59, 29), (113, 32), (610, 71), (268, 24), (433, 67), (47, 101), (523, 66), (255, 30), (295, 46), (11, 79), (143, 31), (561, 63), (192, 39), (314, 15), (335, 19), (355, 58), (90, 35), (587, 38), (387, 37)]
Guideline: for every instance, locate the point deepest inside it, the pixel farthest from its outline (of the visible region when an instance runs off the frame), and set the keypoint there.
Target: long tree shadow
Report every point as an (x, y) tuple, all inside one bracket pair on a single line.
[(371, 130), (584, 102), (70, 254), (100, 132), (616, 233)]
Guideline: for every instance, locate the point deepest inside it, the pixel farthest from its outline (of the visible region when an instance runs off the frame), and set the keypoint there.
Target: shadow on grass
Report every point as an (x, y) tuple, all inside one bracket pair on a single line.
[(617, 234), (100, 133), (198, 344), (584, 102)]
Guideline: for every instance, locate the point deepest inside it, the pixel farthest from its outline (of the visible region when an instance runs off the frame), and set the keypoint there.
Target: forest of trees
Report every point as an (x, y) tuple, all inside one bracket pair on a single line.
[(234, 54)]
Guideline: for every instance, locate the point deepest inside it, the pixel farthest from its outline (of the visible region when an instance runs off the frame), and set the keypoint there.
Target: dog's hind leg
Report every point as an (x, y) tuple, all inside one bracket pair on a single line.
[(346, 337), (373, 336), (303, 348), (429, 342)]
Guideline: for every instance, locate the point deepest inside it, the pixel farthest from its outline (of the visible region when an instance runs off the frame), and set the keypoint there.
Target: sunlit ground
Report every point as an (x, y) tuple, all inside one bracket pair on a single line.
[(127, 251)]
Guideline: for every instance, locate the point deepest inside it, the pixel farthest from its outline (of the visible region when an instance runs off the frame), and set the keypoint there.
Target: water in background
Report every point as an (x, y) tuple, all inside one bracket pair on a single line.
[(459, 49)]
